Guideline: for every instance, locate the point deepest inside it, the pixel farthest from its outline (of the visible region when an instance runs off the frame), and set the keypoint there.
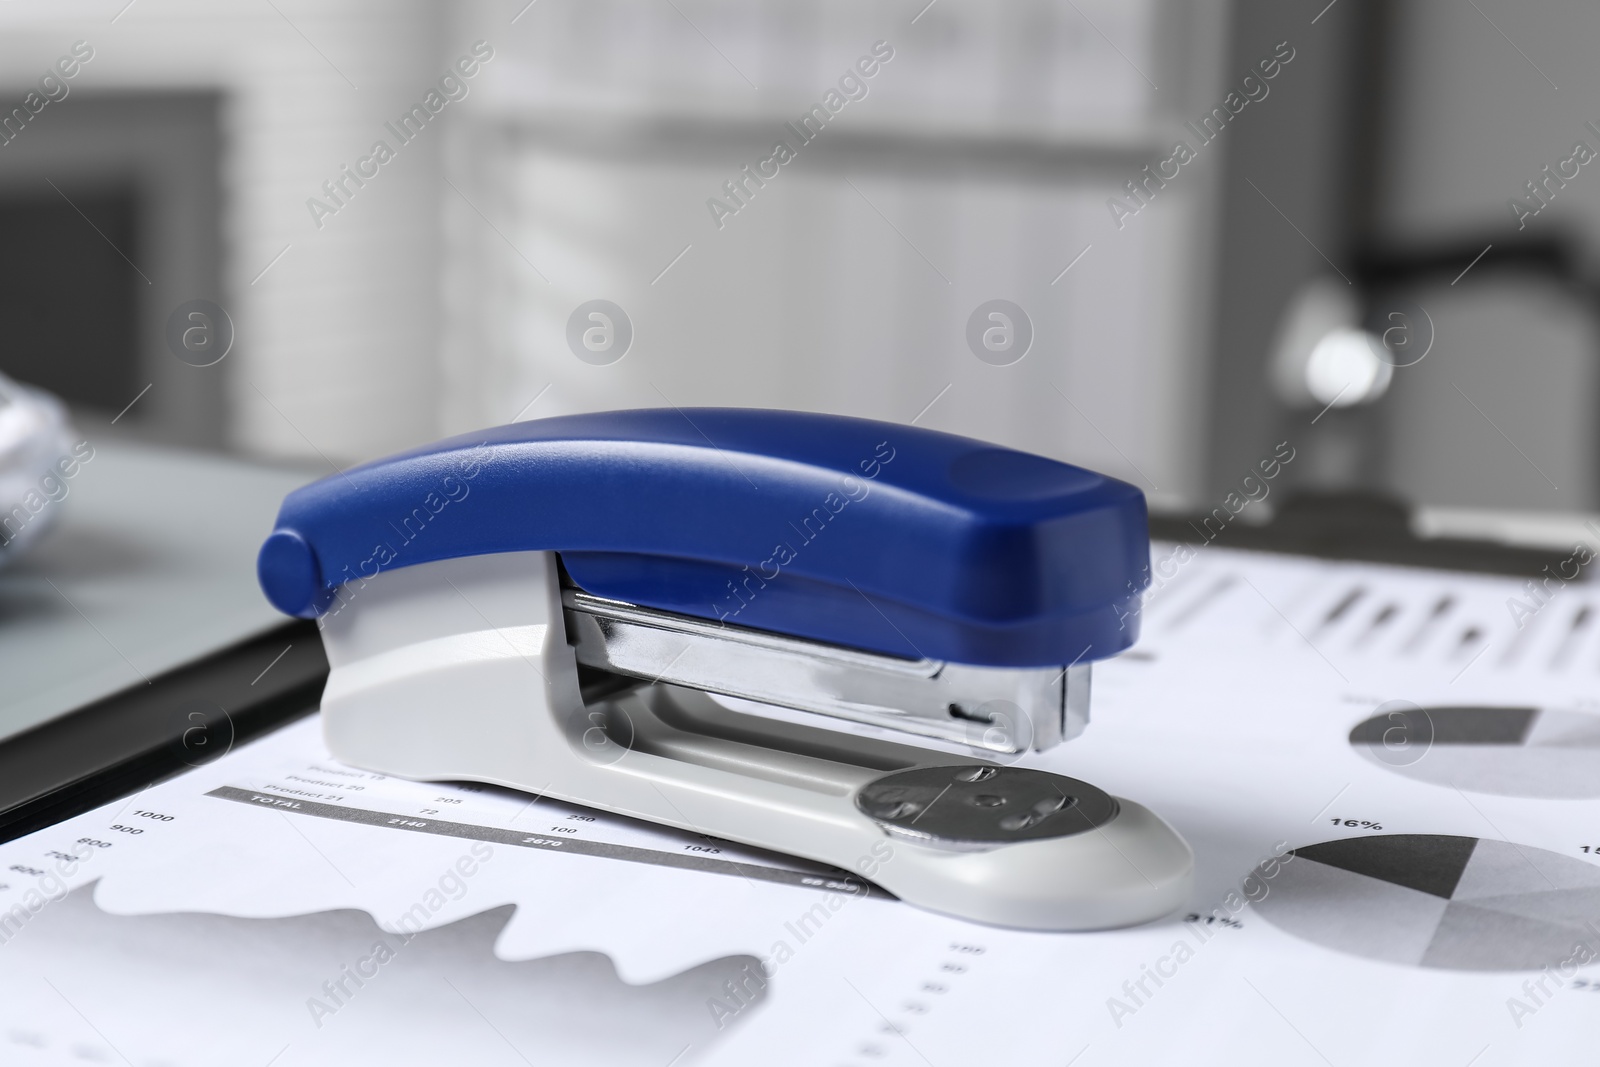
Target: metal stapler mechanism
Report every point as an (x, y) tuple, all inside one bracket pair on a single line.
[(824, 636)]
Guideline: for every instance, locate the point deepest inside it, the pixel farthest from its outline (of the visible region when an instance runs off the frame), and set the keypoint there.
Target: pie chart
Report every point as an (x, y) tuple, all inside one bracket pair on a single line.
[(1546, 753), (1453, 903)]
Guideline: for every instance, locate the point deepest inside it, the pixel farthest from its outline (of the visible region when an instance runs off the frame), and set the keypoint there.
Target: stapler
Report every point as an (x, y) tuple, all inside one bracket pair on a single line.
[(829, 637)]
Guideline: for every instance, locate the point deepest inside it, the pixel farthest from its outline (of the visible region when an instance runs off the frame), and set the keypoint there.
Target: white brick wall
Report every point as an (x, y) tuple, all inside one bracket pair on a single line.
[(412, 312), (340, 335)]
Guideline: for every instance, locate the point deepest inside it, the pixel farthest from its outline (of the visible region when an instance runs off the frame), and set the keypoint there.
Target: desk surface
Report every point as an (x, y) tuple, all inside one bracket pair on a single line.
[(151, 564), (1373, 882)]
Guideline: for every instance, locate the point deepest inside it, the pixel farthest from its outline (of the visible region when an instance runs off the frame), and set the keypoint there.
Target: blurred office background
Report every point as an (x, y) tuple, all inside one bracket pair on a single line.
[(1170, 347)]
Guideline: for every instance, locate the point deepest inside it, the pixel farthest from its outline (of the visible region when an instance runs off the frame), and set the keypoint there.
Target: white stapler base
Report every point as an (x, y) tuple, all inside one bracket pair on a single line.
[(460, 670)]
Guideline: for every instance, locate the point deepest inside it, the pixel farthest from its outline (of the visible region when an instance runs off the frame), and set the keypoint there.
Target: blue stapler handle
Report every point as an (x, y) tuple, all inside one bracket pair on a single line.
[(858, 533)]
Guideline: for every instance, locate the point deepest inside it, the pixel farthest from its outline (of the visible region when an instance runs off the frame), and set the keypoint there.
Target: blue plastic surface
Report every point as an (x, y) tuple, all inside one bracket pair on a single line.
[(865, 534)]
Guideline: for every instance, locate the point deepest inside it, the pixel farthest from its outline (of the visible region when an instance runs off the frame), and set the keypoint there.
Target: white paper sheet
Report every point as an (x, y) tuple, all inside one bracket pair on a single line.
[(233, 914)]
